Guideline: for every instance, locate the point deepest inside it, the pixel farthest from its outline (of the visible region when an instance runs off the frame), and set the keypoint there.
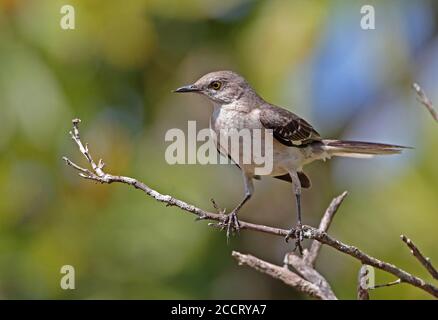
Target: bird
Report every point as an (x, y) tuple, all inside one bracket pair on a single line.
[(237, 106)]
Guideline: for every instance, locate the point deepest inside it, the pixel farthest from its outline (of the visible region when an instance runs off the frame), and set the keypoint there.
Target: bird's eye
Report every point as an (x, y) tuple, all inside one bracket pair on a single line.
[(216, 85)]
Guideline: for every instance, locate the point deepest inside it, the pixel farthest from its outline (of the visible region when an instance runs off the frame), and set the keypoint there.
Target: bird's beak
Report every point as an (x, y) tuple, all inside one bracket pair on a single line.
[(189, 88)]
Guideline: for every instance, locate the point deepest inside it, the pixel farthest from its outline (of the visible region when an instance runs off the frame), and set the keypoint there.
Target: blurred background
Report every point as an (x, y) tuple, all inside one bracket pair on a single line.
[(116, 71)]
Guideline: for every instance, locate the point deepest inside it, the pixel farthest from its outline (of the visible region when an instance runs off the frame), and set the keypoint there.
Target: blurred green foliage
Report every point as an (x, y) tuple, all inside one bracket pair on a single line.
[(116, 71)]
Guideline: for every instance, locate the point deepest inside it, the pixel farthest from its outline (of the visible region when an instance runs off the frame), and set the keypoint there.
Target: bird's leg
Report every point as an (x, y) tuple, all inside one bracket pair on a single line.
[(231, 221), (296, 232)]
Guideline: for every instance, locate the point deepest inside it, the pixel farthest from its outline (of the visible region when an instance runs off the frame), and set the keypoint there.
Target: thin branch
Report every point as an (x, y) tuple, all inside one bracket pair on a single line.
[(309, 232), (326, 220), (425, 261), (389, 284), (97, 168), (171, 201), (312, 233), (425, 101), (288, 277)]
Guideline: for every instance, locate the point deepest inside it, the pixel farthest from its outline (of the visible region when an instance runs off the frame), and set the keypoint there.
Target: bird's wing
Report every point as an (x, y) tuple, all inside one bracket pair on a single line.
[(287, 127)]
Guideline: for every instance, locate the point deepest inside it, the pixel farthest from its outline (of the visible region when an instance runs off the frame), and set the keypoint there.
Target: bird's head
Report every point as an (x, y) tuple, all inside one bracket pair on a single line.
[(222, 87)]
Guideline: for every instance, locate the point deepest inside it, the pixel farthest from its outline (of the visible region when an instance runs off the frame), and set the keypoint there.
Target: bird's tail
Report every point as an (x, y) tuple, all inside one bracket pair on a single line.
[(360, 149)]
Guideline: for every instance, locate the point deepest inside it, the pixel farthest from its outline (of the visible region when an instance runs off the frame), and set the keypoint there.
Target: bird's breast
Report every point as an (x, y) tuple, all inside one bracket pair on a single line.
[(232, 117)]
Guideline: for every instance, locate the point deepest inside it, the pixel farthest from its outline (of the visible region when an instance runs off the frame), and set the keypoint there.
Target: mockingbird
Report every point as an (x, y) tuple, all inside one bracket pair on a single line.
[(295, 142)]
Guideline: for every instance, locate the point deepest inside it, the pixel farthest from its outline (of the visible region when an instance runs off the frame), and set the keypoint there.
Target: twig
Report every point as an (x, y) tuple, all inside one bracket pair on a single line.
[(309, 232), (425, 261), (389, 284), (423, 99), (282, 273), (326, 220)]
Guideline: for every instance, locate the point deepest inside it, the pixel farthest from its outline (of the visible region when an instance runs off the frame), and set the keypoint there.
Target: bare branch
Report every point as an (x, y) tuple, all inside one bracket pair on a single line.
[(424, 100), (425, 261), (310, 274), (312, 233), (326, 220), (97, 174), (97, 168), (282, 273), (389, 284)]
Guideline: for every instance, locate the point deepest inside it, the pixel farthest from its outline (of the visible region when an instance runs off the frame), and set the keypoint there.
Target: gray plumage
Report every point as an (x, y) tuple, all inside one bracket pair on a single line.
[(296, 143)]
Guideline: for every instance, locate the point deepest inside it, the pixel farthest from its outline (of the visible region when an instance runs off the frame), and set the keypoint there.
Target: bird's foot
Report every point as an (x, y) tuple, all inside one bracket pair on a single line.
[(231, 222), (297, 234)]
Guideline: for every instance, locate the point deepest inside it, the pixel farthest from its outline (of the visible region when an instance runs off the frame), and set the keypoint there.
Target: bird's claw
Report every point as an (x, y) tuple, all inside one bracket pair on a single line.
[(231, 222), (217, 208), (297, 234), (294, 233)]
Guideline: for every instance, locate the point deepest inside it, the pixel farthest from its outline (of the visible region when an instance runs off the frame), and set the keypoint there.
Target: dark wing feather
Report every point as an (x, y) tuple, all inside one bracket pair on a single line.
[(304, 179), (287, 127)]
